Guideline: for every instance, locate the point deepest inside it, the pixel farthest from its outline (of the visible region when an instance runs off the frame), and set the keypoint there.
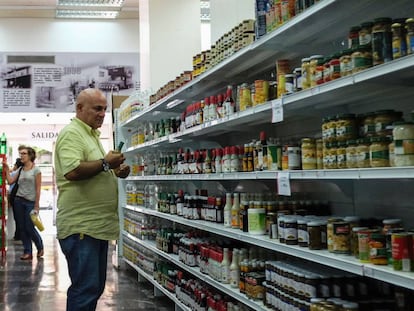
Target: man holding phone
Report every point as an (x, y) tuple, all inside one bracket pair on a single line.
[(87, 216)]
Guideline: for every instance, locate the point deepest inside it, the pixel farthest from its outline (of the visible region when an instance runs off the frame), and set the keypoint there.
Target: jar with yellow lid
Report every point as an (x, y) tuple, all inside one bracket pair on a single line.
[(319, 154), (345, 127), (379, 152), (314, 62), (308, 150), (351, 154), (361, 58), (305, 73), (341, 154), (384, 120), (403, 135), (362, 150), (346, 62)]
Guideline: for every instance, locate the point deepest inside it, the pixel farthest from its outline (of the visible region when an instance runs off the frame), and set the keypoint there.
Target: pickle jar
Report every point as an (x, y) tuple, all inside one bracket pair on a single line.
[(329, 156), (345, 127), (381, 41), (410, 35), (363, 152), (308, 151), (329, 129), (361, 58), (384, 120), (351, 154), (379, 152), (346, 62), (368, 125), (403, 135)]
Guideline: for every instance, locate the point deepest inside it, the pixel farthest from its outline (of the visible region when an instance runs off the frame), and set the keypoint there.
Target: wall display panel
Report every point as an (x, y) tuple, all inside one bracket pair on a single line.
[(51, 81)]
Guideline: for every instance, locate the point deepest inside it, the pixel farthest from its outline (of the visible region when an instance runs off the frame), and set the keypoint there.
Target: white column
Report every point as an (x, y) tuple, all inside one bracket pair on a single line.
[(226, 14), (169, 38)]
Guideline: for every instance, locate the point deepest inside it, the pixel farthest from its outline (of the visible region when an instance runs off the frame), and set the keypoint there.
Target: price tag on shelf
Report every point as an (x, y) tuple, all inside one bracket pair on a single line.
[(277, 111), (283, 184)]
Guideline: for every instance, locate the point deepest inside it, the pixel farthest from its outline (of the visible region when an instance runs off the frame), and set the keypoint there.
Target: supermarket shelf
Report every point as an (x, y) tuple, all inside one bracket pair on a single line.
[(226, 289), (316, 27), (361, 173), (342, 262), (157, 285)]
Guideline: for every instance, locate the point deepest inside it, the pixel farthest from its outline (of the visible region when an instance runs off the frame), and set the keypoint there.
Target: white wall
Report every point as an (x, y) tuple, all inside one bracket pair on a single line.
[(53, 35)]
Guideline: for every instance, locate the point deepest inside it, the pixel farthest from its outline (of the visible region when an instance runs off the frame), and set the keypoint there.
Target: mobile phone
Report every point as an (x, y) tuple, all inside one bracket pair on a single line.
[(120, 145)]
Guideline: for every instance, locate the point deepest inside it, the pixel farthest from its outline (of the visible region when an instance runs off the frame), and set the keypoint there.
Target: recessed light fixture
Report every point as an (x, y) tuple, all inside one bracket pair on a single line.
[(94, 3), (87, 14)]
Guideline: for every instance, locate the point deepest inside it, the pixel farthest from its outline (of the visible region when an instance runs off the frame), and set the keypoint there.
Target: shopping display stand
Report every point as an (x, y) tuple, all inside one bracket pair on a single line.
[(3, 212)]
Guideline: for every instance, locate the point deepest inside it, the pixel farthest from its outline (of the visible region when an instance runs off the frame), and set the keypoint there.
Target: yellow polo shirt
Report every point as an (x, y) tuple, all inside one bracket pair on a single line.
[(87, 206)]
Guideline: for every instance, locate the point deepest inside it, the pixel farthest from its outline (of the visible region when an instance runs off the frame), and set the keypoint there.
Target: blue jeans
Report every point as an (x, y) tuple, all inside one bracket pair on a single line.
[(28, 232), (87, 262)]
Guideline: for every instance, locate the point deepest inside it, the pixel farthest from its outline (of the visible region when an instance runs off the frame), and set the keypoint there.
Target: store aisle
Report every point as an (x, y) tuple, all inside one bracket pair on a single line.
[(41, 285)]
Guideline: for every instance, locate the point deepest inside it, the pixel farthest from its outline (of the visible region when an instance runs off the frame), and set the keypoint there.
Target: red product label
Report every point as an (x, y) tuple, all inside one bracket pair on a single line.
[(401, 246)]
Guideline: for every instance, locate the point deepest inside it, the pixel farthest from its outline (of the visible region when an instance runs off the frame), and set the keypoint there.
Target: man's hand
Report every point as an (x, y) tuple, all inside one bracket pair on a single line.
[(115, 159), (122, 171)]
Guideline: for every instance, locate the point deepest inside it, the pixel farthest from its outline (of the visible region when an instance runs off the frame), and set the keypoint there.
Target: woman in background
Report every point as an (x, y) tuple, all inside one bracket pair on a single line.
[(27, 199)]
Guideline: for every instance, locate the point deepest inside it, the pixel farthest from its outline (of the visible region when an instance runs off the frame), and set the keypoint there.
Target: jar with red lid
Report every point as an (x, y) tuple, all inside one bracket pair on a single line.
[(320, 71), (335, 67), (327, 69)]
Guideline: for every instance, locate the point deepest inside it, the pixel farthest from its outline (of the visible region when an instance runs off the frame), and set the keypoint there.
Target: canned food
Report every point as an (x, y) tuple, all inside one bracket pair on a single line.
[(402, 256), (363, 244), (341, 238), (377, 249)]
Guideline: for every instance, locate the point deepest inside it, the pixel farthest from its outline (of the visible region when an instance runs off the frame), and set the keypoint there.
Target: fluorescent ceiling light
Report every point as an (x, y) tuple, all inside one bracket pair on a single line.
[(86, 14), (93, 3)]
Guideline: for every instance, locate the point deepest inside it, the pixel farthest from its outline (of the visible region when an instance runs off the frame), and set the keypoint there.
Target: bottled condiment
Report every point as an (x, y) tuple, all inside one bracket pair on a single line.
[(377, 249), (378, 152), (330, 232), (399, 43), (384, 120), (351, 154), (329, 129), (303, 236), (308, 151), (345, 127), (227, 211), (329, 156), (354, 240), (353, 37), (235, 210), (314, 232), (294, 156), (368, 125), (319, 154), (346, 62), (314, 62), (291, 231), (335, 67), (244, 97), (365, 34), (341, 155), (341, 237), (381, 40), (410, 35), (403, 135), (361, 58), (362, 150), (305, 73)]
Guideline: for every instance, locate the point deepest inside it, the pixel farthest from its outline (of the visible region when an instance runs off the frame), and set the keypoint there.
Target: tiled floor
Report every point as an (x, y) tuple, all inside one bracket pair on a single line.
[(41, 285)]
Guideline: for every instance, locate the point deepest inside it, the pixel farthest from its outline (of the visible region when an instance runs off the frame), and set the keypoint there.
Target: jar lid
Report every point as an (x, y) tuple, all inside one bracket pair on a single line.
[(305, 59), (396, 25), (410, 20), (391, 221), (307, 140), (355, 28), (316, 57), (367, 24), (356, 229), (346, 116), (382, 20), (352, 218)]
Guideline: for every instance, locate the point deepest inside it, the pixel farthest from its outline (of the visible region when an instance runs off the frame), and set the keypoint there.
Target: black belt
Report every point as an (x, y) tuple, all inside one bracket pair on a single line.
[(24, 199)]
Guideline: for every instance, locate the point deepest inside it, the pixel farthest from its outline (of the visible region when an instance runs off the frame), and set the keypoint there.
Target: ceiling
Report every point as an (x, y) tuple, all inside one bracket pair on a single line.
[(47, 9)]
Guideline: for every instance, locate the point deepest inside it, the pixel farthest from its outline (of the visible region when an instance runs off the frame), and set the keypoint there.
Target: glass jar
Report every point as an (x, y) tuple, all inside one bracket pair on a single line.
[(384, 120), (363, 152), (391, 152), (314, 61), (314, 234), (410, 35), (345, 127), (365, 37), (319, 72), (403, 135), (319, 154), (399, 43), (244, 97), (341, 155), (379, 152), (351, 154), (335, 67), (308, 150), (297, 81), (369, 125), (353, 37), (381, 40), (329, 156), (305, 73), (361, 58), (346, 62), (327, 69), (329, 129)]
